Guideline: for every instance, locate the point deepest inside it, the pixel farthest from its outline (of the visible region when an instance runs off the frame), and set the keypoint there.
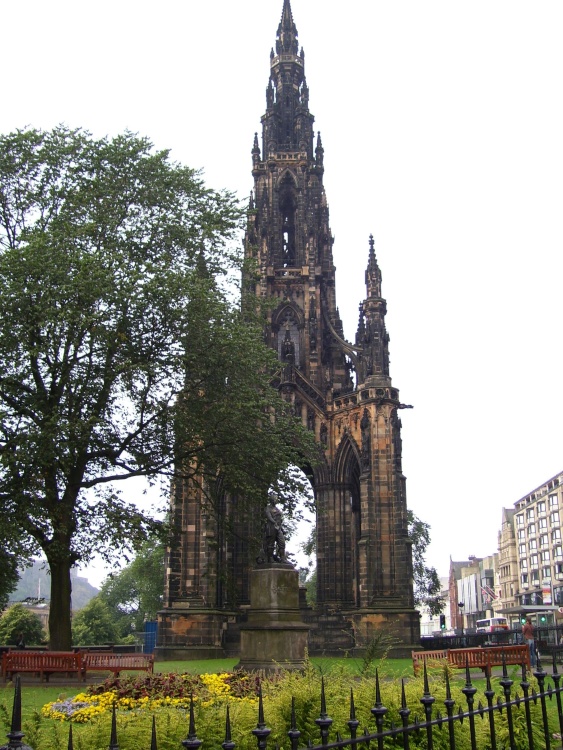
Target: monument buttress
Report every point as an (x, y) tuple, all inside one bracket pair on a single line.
[(342, 391)]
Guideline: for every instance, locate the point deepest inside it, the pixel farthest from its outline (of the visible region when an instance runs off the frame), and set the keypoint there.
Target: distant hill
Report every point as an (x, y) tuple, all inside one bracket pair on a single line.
[(36, 581)]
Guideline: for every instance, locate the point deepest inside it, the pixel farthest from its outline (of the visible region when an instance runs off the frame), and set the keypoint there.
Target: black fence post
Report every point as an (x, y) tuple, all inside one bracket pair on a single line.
[(352, 722), (192, 742), (15, 734), (506, 684), (153, 734), (261, 732), (489, 695), (294, 734), (469, 691), (113, 745), (324, 722), (404, 713)]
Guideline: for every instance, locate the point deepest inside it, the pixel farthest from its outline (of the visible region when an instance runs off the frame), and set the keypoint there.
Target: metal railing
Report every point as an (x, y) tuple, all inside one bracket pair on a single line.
[(447, 719)]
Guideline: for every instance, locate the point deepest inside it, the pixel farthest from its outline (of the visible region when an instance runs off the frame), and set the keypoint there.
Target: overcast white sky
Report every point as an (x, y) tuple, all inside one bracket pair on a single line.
[(442, 123)]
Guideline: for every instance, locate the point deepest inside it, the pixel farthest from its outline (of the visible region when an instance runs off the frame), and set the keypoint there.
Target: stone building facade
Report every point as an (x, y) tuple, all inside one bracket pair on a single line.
[(531, 550), (342, 391)]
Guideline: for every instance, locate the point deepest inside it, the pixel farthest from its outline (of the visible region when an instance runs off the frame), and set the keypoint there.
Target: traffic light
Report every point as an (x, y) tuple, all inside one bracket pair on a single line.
[(522, 620), (543, 619), (442, 622)]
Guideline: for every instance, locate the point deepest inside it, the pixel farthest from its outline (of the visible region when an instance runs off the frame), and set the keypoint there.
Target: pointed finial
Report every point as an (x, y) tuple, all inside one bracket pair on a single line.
[(228, 744), (113, 745), (286, 43), (15, 734), (373, 274), (153, 734), (192, 742)]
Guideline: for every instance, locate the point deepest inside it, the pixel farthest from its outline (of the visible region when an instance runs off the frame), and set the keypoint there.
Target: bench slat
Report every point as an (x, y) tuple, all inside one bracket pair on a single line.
[(484, 658)]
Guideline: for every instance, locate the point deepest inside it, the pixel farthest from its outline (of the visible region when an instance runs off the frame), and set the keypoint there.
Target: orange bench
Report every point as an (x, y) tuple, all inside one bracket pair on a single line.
[(107, 662), (43, 663), (482, 657)]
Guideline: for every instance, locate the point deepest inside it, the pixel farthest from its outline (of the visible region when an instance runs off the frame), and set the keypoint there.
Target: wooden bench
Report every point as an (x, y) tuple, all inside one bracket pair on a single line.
[(43, 663), (104, 662), (482, 657)]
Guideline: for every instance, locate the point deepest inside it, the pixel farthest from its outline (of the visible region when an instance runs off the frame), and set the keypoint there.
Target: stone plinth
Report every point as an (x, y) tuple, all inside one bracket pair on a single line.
[(274, 637)]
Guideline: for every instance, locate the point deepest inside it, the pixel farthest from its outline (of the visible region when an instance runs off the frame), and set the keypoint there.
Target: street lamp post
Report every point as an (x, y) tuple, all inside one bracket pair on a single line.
[(461, 605)]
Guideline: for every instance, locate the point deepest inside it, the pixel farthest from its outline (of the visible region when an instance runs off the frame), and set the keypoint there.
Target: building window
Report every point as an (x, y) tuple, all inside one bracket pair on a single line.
[(520, 520), (546, 572), (553, 501), (523, 564), (533, 561), (544, 541), (524, 578), (556, 535), (532, 545), (542, 523), (535, 578), (545, 556), (530, 514), (541, 507), (554, 518), (521, 534), (532, 529), (558, 553)]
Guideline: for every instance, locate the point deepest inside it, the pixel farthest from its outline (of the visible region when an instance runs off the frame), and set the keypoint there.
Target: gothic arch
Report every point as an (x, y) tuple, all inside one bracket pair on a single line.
[(347, 462), (288, 320), (285, 177), (287, 197)]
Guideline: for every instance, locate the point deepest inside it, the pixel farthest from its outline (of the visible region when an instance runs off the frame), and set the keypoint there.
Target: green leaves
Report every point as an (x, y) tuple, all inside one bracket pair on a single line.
[(121, 350), (427, 586)]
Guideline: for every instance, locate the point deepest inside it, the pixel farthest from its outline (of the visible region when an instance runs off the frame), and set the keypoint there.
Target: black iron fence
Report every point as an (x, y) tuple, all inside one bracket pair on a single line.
[(501, 714)]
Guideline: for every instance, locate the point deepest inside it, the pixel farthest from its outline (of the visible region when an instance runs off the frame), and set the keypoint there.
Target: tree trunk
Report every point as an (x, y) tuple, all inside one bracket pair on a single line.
[(60, 635)]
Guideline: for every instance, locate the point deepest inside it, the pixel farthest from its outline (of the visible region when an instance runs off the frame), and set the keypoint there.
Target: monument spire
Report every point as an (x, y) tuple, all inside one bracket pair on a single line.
[(286, 42)]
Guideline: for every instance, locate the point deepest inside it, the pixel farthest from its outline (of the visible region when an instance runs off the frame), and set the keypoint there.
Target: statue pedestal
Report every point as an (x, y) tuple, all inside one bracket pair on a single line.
[(274, 638)]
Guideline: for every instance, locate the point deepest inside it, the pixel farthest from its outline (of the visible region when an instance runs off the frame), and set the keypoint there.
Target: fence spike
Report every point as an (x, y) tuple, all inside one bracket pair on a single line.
[(70, 745), (228, 744), (352, 706), (352, 722), (113, 745), (294, 734), (261, 732), (377, 688), (324, 721), (192, 742), (15, 734), (426, 688), (404, 711), (153, 734)]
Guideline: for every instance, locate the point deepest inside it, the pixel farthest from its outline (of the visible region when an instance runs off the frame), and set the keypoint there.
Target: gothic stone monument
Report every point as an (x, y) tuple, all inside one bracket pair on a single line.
[(343, 393)]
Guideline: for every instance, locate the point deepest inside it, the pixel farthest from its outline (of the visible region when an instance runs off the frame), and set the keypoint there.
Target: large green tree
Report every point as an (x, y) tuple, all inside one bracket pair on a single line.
[(94, 625), (17, 620), (135, 593), (121, 352)]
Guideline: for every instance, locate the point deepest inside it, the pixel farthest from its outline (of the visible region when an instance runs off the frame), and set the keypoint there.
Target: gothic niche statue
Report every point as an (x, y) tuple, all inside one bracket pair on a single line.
[(273, 545), (288, 347)]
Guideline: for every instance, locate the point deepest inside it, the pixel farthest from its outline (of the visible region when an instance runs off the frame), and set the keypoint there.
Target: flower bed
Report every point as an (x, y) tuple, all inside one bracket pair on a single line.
[(151, 691)]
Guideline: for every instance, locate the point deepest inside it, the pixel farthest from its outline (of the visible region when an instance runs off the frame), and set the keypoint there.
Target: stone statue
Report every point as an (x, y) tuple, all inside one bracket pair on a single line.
[(274, 539)]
